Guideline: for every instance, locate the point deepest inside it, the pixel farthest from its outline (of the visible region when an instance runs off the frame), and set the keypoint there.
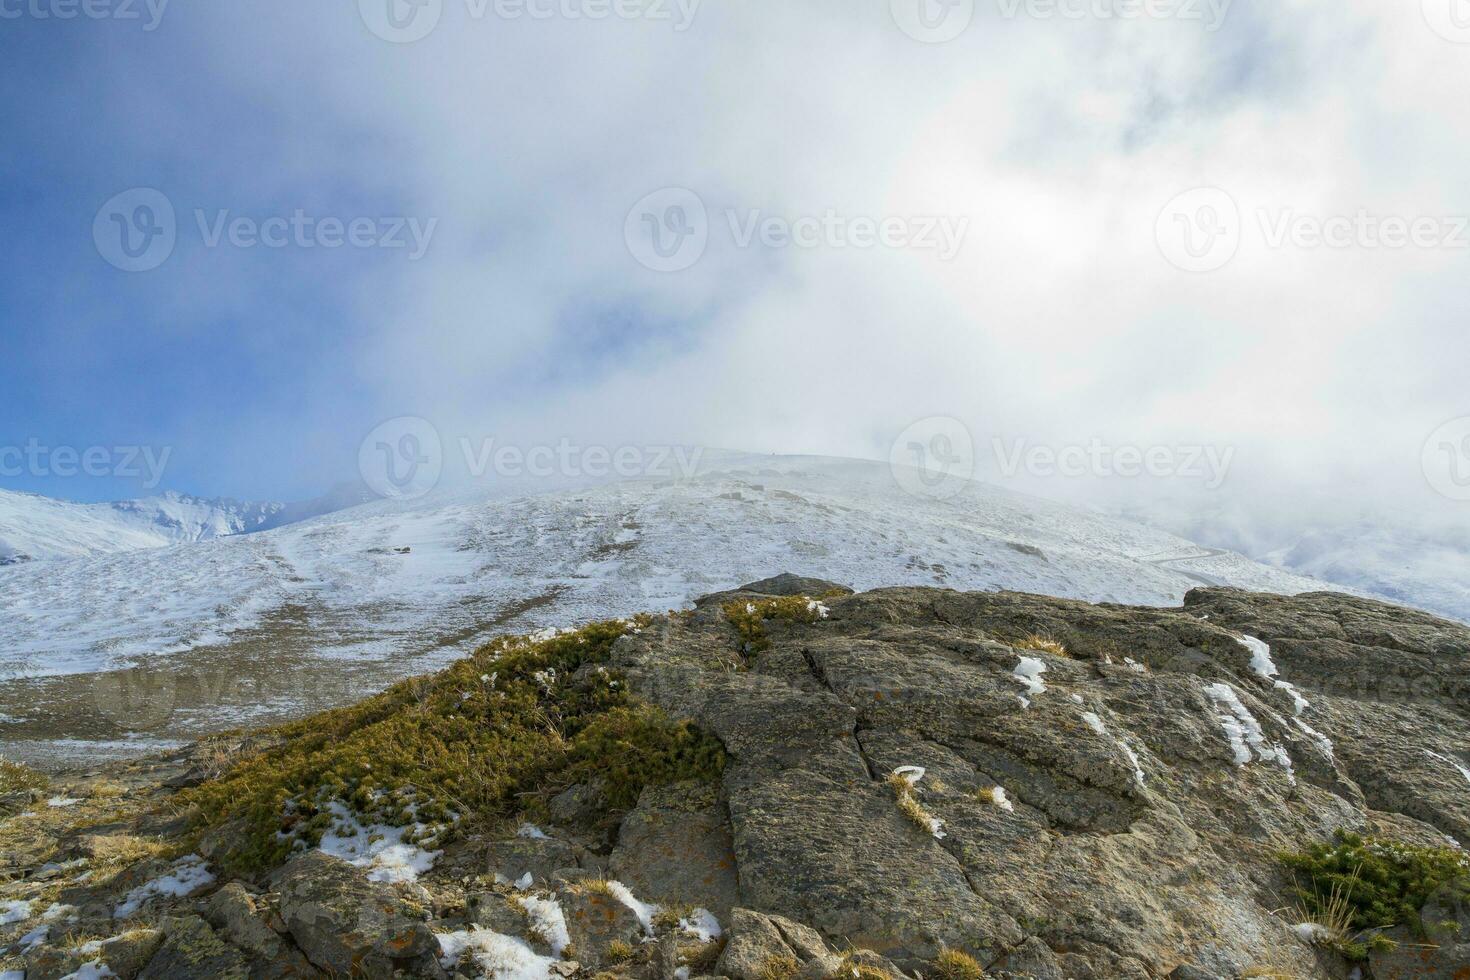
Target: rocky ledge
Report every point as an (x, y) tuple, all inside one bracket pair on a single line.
[(791, 780)]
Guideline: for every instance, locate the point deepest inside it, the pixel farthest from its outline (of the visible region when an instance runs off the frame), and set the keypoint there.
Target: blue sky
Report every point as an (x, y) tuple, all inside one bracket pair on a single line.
[(531, 316)]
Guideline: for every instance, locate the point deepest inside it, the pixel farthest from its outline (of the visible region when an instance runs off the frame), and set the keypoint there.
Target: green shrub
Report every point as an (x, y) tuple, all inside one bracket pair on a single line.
[(1371, 883), (749, 616), (15, 778), (484, 739)]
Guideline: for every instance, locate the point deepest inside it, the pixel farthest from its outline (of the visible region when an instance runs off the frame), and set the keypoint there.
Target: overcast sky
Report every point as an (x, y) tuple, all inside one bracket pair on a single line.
[(1059, 227)]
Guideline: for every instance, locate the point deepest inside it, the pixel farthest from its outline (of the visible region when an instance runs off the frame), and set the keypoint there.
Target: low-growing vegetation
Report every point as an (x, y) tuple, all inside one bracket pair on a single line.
[(749, 616), (490, 737), (16, 778), (1353, 886)]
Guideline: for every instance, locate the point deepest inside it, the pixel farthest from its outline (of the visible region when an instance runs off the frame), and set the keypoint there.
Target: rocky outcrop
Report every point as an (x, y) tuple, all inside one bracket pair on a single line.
[(1043, 788)]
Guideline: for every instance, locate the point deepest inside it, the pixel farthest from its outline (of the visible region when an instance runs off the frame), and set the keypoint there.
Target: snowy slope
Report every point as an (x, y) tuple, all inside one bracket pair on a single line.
[(391, 580), (38, 528)]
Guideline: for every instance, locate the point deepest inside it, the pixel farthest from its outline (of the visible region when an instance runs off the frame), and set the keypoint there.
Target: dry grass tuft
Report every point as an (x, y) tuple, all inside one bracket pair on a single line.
[(953, 964), (1043, 644)]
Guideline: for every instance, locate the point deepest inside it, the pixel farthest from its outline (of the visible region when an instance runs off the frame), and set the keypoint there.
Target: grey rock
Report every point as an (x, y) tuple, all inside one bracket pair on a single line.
[(192, 951), (235, 915), (541, 857), (346, 924), (128, 954), (596, 920), (675, 849), (754, 945)]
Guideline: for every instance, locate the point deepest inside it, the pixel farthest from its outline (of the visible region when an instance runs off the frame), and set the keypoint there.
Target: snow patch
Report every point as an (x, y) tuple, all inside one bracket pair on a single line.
[(17, 911), (1247, 740), (1029, 672), (702, 925), (498, 957), (189, 874), (643, 911), (997, 795), (547, 918), (380, 849), (1263, 665), (531, 832), (1444, 758), (1094, 722)]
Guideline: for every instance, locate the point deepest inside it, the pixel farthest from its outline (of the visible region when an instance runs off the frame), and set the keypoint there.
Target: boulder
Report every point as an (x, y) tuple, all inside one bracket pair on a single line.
[(596, 918), (346, 924), (237, 916), (675, 849), (192, 951)]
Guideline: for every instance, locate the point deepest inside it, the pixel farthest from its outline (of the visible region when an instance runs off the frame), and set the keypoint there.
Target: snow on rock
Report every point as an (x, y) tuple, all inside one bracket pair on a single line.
[(497, 956), (910, 774), (997, 795), (189, 874), (380, 849), (702, 925), (547, 918), (96, 970), (1446, 759), (1028, 671), (57, 802), (643, 911), (1094, 722), (1247, 740), (531, 832), (1133, 760), (17, 911), (1263, 665)]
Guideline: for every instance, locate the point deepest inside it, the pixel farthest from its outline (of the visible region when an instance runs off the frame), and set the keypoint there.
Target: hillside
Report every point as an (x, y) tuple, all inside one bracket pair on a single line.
[(268, 626), (791, 781)]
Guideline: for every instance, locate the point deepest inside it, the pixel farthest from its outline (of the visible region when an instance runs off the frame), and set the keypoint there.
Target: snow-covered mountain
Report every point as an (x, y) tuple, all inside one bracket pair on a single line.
[(247, 628), (35, 528), (406, 576)]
